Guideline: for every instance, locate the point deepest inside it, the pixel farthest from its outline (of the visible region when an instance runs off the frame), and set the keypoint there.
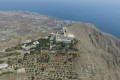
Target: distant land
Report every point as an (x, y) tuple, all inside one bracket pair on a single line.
[(104, 15), (18, 26)]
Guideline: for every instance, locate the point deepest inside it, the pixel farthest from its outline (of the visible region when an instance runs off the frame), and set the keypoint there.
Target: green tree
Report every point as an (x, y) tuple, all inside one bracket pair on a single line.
[(1, 61), (71, 46), (42, 69), (15, 68), (9, 62), (33, 78), (20, 60)]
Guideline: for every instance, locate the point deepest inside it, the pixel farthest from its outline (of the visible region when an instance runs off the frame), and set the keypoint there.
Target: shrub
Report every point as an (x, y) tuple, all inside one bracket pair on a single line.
[(33, 78), (44, 58), (61, 52), (76, 49), (16, 68), (9, 72), (71, 46), (12, 54), (63, 45), (1, 61), (18, 47), (74, 55), (31, 52), (20, 60), (42, 69), (44, 42), (65, 62), (38, 47), (70, 59), (9, 62)]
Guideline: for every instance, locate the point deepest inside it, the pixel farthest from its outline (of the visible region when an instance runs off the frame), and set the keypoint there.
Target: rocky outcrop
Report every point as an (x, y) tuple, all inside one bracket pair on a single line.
[(99, 56)]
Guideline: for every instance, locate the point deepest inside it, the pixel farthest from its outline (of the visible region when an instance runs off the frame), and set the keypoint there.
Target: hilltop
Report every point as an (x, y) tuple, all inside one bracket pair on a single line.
[(91, 55)]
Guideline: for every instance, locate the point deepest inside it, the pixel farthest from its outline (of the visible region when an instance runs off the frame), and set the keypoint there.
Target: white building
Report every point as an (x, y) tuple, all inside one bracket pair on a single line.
[(22, 70), (3, 66), (28, 41), (62, 36), (70, 35), (36, 42)]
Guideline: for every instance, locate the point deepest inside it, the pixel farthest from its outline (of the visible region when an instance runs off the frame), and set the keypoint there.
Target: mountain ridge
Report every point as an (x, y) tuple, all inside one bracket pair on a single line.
[(99, 53)]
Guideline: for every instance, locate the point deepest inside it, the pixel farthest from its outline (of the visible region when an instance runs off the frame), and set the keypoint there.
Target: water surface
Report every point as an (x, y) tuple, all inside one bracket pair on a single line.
[(105, 15)]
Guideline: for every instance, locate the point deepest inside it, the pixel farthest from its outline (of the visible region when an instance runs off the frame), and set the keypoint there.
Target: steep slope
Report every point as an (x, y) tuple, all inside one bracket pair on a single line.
[(99, 56)]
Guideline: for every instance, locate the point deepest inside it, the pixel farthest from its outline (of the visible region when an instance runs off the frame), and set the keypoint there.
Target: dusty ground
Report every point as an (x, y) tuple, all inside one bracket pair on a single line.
[(16, 27)]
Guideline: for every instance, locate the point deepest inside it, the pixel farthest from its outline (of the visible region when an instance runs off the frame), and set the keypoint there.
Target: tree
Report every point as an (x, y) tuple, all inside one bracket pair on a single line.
[(71, 46), (1, 61), (20, 60), (15, 68), (33, 78), (42, 69), (9, 62)]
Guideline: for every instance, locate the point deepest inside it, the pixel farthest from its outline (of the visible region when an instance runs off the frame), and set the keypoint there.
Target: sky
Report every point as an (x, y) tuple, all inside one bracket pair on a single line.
[(108, 1), (65, 1)]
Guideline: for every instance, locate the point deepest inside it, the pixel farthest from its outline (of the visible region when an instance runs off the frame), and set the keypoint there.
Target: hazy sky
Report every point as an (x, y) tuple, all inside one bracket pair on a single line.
[(106, 1), (97, 1)]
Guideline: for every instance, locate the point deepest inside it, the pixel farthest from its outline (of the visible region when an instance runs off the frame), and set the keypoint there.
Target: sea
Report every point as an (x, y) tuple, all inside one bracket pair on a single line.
[(104, 14)]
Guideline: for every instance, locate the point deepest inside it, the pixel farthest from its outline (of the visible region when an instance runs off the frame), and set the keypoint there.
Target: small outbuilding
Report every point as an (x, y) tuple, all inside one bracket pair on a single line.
[(3, 66)]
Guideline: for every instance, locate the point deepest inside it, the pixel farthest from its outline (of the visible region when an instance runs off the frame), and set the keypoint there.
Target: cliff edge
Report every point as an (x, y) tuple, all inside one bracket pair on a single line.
[(99, 55)]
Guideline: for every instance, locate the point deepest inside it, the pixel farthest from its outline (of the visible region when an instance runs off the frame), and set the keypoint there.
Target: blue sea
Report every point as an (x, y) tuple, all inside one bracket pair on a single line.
[(105, 15)]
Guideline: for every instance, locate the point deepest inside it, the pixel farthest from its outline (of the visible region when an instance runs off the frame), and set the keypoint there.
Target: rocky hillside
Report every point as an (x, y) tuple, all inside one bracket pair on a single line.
[(99, 53)]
